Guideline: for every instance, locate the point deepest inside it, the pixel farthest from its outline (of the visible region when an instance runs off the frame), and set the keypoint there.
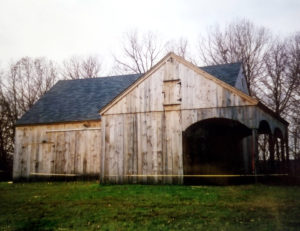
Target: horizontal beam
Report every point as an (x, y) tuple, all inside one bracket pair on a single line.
[(49, 174), (235, 175), (71, 130)]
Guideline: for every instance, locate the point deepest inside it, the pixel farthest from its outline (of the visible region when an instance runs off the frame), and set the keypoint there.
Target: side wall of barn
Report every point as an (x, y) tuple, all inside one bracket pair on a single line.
[(58, 150)]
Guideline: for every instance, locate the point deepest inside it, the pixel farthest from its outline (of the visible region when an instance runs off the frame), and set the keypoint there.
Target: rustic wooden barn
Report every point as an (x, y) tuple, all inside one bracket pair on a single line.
[(175, 121)]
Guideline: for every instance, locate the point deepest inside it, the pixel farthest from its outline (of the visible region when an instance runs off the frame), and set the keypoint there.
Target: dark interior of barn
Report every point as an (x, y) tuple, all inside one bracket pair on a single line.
[(215, 146)]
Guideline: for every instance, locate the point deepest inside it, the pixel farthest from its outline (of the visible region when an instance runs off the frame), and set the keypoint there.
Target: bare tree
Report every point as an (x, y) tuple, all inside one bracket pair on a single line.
[(294, 127), (91, 67), (294, 131), (27, 80), (182, 48), (280, 84), (79, 68), (240, 41), (6, 136), (279, 81), (71, 68), (294, 107), (139, 54), (179, 47)]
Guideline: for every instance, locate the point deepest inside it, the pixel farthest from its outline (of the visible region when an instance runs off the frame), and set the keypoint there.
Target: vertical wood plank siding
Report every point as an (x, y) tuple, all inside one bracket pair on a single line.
[(143, 130), (62, 149)]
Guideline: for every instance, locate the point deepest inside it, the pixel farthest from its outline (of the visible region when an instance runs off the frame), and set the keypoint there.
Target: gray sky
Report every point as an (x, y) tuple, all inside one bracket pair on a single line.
[(59, 29)]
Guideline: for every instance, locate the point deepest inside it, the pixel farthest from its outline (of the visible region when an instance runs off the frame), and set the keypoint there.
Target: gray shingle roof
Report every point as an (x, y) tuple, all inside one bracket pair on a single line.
[(228, 73), (76, 100), (81, 100)]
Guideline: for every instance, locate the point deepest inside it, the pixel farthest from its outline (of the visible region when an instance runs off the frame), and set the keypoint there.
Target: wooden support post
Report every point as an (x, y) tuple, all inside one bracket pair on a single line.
[(282, 152), (271, 148), (254, 151), (287, 156), (103, 151), (277, 154), (282, 149), (247, 153)]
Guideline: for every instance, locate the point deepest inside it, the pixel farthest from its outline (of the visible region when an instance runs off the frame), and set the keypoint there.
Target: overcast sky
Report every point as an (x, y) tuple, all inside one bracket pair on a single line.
[(59, 29)]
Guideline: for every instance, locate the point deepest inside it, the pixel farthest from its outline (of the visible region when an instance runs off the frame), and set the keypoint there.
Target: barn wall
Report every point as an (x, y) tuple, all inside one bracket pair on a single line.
[(57, 150), (147, 147), (142, 132), (142, 147)]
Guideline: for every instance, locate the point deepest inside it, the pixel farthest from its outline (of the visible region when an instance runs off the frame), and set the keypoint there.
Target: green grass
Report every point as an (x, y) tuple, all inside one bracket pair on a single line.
[(90, 206)]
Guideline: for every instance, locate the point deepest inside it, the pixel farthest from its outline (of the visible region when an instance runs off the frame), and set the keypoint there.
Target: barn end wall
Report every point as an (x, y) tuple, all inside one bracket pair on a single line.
[(142, 131), (66, 150), (148, 147)]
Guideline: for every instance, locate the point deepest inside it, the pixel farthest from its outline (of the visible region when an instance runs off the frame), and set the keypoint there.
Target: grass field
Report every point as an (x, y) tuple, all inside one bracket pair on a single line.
[(90, 206)]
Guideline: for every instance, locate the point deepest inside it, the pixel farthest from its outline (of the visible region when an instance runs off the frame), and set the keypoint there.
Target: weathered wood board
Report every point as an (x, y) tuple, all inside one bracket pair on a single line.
[(58, 150)]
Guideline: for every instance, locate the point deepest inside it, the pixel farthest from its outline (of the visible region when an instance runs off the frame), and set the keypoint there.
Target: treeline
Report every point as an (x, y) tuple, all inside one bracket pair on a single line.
[(271, 66)]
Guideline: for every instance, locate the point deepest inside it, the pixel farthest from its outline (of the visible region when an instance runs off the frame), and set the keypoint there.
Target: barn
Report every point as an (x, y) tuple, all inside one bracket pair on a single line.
[(176, 121)]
